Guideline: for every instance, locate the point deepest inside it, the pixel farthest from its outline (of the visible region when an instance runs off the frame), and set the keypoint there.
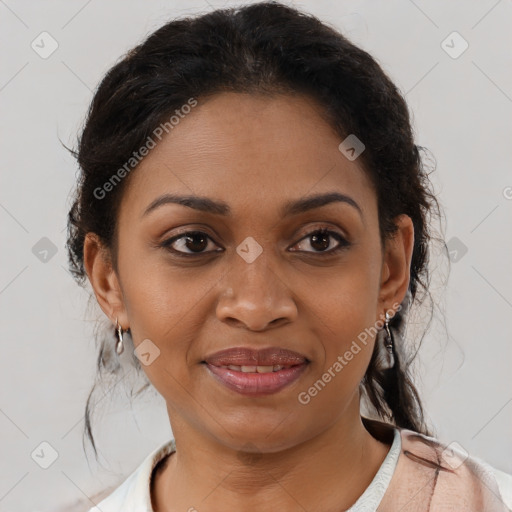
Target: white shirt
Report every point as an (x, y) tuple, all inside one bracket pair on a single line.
[(133, 495)]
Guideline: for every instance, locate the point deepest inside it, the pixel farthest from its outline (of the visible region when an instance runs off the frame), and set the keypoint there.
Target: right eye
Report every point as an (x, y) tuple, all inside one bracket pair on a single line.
[(195, 241)]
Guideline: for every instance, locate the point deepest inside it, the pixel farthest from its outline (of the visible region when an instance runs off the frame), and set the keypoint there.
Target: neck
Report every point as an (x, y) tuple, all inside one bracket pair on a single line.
[(326, 472)]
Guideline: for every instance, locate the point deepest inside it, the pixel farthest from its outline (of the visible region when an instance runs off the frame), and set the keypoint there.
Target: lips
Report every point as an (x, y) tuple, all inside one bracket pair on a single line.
[(262, 359), (255, 369), (256, 372), (257, 384)]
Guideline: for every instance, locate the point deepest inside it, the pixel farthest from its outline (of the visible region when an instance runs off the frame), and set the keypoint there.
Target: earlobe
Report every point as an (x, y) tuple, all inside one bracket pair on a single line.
[(103, 279), (396, 273)]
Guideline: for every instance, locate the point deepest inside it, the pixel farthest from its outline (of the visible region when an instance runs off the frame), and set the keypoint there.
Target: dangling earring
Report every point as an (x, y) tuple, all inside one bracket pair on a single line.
[(389, 342), (119, 344)]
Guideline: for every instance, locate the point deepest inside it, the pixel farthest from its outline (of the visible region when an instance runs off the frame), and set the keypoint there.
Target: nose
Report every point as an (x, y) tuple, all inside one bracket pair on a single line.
[(254, 296)]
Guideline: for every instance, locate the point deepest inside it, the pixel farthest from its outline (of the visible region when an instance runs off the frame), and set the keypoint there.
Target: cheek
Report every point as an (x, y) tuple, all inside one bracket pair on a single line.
[(165, 314), (161, 298), (343, 305), (342, 313), (348, 343)]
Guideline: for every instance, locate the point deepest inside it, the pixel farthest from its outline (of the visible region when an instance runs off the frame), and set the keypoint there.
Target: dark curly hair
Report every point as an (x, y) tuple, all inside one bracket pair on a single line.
[(264, 48)]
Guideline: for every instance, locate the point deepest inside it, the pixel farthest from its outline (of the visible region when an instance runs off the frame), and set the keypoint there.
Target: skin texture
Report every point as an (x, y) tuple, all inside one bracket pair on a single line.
[(255, 153)]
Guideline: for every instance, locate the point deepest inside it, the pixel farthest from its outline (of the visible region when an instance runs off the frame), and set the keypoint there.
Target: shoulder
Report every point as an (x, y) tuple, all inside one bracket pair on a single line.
[(457, 476), (134, 495), (502, 479), (113, 501), (84, 504)]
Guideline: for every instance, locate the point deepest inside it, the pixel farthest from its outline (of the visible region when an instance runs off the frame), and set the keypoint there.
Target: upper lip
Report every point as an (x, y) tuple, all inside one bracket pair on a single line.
[(243, 356)]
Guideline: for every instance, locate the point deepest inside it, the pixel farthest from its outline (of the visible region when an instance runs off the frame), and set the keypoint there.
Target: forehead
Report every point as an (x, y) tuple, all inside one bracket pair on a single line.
[(249, 150)]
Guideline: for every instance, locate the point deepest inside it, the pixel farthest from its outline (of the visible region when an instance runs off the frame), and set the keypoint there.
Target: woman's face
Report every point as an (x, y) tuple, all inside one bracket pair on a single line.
[(259, 274)]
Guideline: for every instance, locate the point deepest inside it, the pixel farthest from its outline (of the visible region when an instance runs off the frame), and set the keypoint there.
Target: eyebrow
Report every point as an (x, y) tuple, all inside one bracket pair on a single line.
[(293, 207)]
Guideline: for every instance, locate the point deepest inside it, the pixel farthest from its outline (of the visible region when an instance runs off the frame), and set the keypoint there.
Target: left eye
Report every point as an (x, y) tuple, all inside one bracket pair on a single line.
[(320, 239)]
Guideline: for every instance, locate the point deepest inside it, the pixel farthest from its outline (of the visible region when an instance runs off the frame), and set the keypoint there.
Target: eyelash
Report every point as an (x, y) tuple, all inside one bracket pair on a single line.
[(343, 243)]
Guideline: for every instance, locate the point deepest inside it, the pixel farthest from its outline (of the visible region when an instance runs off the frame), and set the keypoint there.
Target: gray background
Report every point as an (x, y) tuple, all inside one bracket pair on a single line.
[(461, 111)]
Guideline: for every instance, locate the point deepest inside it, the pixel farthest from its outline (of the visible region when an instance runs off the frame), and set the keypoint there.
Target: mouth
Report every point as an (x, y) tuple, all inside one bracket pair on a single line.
[(256, 372), (250, 357), (255, 369), (248, 380)]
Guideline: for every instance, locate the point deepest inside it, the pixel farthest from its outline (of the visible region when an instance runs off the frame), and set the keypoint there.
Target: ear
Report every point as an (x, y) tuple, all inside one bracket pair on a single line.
[(395, 274), (104, 280)]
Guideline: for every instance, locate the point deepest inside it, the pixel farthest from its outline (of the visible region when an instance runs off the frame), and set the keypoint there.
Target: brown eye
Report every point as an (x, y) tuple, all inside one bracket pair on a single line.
[(195, 241), (321, 239)]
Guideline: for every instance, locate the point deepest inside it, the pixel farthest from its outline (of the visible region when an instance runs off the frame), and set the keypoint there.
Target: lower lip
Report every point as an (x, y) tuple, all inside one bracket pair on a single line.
[(257, 384)]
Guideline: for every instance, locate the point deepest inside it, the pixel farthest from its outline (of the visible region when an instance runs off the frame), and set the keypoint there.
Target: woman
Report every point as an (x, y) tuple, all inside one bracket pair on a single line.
[(252, 217)]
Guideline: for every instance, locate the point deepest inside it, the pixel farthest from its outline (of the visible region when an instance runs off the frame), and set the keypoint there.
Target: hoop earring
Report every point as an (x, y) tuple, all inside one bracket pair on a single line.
[(119, 344), (389, 343)]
